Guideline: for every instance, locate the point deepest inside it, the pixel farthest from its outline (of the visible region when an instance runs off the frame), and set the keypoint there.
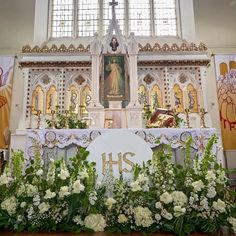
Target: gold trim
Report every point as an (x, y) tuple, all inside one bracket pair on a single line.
[(174, 63), (184, 47), (56, 49), (55, 64)]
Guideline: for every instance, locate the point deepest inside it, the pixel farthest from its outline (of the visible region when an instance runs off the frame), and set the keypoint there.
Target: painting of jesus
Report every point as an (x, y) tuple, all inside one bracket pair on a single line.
[(114, 84)]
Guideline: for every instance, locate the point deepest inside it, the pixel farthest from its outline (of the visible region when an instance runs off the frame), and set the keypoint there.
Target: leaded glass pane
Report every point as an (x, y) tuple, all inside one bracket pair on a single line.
[(62, 18), (88, 13), (107, 14), (165, 17), (140, 17)]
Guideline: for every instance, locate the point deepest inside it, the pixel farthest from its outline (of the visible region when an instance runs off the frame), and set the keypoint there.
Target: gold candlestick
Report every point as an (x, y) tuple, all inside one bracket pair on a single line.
[(202, 117), (39, 119), (57, 109), (175, 114), (53, 126), (30, 116), (66, 120), (187, 111)]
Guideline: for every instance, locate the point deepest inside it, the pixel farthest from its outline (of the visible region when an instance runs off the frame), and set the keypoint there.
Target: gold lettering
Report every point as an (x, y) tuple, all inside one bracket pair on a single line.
[(110, 163), (127, 161)]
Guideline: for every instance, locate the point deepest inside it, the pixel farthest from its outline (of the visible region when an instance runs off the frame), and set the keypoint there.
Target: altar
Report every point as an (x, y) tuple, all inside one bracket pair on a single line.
[(60, 143)]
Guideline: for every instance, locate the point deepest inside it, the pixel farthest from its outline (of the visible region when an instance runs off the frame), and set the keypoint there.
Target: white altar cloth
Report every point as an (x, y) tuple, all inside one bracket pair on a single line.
[(39, 139)]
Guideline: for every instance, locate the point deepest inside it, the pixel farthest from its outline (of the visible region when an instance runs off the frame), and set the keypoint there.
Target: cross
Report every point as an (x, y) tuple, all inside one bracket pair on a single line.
[(113, 4)]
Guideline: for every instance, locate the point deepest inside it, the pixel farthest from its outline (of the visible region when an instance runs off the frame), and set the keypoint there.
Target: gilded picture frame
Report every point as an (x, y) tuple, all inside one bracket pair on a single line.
[(114, 78)]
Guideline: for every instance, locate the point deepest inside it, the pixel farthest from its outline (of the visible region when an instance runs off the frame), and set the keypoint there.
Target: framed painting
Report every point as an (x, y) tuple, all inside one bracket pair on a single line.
[(114, 79)]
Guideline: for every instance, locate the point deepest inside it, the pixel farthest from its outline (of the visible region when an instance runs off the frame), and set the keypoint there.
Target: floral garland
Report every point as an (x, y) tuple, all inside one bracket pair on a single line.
[(162, 196)]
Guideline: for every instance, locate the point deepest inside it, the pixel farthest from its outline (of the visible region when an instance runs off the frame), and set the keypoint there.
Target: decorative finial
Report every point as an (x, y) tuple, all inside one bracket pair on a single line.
[(113, 4)]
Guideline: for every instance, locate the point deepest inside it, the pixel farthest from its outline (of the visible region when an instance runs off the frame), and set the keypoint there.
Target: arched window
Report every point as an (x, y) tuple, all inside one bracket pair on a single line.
[(79, 18)]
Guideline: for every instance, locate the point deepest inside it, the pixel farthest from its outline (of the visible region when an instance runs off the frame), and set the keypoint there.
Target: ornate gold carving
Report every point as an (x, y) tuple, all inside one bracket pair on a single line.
[(182, 78), (148, 79), (55, 64), (45, 79), (56, 49), (172, 48), (79, 80)]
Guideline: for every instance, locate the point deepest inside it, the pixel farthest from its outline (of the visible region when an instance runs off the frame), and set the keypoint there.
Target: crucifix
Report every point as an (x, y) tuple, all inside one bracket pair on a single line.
[(113, 4)]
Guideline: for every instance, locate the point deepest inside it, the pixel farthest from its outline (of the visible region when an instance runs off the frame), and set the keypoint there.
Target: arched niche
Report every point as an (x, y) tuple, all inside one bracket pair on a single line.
[(51, 99), (156, 99), (177, 99), (37, 101), (223, 68), (192, 98)]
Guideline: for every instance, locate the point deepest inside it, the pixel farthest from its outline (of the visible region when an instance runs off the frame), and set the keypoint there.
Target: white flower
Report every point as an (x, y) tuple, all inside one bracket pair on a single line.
[(204, 203), (135, 186), (198, 185), (96, 222), (232, 221), (77, 187), (157, 217), (179, 198), (64, 191), (122, 219), (43, 207), (21, 190), (36, 200), (49, 194), (211, 192), (219, 205), (210, 176), (39, 172), (64, 174), (143, 216), (4, 179), (109, 202), (31, 190), (83, 175), (179, 211), (10, 204), (158, 205), (77, 219), (23, 204), (142, 178), (166, 198), (166, 214)]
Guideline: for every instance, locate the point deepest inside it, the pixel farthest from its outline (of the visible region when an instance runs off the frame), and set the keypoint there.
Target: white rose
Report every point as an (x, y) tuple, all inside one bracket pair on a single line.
[(157, 217), (158, 205), (64, 191), (179, 198), (23, 204), (179, 211), (43, 207), (122, 219), (166, 214), (135, 186), (49, 194), (232, 221), (96, 222), (198, 185), (109, 202), (219, 205), (77, 187), (166, 198), (64, 174)]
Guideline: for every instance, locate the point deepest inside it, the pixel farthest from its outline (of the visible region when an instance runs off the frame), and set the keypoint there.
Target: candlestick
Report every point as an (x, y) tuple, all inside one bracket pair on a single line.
[(57, 109), (39, 119), (175, 114), (200, 99), (30, 116), (53, 126), (187, 111), (54, 101), (202, 116), (68, 100), (67, 119)]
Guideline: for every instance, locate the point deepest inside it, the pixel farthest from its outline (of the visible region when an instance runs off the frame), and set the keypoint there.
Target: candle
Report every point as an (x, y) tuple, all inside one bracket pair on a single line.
[(186, 99), (68, 97), (54, 101), (200, 99), (40, 101)]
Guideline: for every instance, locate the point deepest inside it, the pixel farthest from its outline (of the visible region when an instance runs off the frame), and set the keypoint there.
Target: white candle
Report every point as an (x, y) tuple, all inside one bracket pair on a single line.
[(54, 101), (200, 99), (40, 101), (68, 97), (186, 99)]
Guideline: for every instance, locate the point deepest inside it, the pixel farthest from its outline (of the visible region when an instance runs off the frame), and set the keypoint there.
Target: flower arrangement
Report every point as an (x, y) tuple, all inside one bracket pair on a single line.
[(161, 196)]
